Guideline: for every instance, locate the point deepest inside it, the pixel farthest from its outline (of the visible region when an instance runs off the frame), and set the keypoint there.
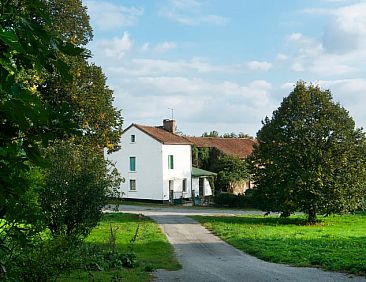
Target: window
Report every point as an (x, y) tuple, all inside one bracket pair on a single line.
[(133, 138), (132, 185), (170, 162), (132, 163), (184, 185)]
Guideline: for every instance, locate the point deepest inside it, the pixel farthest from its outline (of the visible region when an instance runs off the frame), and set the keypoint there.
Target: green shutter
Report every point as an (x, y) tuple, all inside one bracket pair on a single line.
[(170, 162), (132, 163)]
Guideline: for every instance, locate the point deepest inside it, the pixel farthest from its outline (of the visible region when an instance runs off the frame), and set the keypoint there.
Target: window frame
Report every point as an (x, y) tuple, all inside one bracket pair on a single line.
[(134, 185), (170, 161), (133, 138), (133, 164)]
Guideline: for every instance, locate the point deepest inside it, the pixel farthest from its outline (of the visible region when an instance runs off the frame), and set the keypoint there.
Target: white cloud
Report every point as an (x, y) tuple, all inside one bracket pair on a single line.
[(165, 46), (116, 47), (281, 57), (197, 100), (145, 47), (149, 67), (259, 65), (330, 66), (106, 16), (185, 4), (297, 67), (191, 13), (194, 20)]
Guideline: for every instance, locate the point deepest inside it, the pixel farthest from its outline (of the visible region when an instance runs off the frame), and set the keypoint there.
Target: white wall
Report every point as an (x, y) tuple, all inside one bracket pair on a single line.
[(149, 171), (182, 169)]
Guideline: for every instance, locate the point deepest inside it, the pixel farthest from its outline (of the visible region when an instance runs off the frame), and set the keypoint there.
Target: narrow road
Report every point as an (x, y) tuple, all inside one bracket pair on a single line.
[(205, 257)]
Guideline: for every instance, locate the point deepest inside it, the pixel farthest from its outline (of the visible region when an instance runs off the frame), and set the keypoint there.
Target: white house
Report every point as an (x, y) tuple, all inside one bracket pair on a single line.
[(157, 164)]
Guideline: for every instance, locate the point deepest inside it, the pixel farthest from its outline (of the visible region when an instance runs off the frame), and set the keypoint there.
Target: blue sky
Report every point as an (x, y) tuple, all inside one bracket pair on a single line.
[(225, 65)]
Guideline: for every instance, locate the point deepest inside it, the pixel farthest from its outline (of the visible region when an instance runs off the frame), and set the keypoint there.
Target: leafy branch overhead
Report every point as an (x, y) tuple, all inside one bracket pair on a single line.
[(49, 91)]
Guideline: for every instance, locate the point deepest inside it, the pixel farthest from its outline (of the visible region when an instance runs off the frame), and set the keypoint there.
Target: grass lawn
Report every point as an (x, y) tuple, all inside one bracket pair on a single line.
[(335, 243), (151, 247)]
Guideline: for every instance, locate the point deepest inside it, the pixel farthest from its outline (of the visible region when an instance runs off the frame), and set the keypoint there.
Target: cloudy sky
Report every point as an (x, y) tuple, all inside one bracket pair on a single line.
[(225, 65)]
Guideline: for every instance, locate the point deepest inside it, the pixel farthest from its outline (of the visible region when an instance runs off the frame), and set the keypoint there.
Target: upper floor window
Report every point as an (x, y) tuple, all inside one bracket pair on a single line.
[(133, 138), (170, 162), (132, 163)]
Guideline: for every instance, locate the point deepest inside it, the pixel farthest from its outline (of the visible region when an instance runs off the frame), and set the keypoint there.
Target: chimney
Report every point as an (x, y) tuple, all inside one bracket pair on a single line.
[(170, 125)]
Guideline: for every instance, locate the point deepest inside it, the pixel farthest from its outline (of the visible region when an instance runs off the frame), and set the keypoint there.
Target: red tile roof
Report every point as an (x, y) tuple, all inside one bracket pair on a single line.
[(241, 147), (162, 135)]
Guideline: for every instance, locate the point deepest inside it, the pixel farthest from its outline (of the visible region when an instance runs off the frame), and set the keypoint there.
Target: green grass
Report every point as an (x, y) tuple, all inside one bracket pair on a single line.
[(335, 243), (151, 248)]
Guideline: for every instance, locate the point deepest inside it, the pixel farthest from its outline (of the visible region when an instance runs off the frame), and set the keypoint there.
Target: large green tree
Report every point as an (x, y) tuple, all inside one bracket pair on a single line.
[(29, 49), (90, 99), (309, 156)]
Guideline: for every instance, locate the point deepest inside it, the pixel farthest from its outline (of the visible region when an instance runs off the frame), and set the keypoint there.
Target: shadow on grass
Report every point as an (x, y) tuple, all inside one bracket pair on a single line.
[(336, 254), (254, 220), (336, 243)]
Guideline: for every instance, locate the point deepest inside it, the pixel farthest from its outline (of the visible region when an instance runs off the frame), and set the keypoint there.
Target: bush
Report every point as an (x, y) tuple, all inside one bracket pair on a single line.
[(78, 183), (43, 261), (225, 199)]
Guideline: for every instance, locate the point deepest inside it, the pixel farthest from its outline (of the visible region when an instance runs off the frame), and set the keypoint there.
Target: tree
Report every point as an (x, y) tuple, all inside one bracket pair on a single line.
[(213, 133), (309, 156), (90, 99), (78, 184), (29, 49), (70, 20)]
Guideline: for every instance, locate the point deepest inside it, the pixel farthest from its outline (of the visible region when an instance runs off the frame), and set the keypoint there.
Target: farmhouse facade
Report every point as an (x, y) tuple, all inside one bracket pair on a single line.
[(157, 164)]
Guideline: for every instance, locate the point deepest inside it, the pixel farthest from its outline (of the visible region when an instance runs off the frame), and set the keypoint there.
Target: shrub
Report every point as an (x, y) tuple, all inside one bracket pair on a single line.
[(78, 183), (225, 199)]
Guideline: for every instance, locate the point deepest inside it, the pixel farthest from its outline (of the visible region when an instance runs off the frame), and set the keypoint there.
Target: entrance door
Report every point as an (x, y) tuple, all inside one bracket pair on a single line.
[(201, 186), (171, 191)]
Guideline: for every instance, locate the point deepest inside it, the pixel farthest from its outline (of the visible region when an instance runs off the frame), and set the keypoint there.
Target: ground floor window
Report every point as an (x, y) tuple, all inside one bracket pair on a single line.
[(132, 185)]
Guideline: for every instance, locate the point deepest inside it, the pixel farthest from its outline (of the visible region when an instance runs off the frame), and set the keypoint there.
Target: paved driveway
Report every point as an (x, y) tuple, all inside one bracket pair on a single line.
[(205, 257)]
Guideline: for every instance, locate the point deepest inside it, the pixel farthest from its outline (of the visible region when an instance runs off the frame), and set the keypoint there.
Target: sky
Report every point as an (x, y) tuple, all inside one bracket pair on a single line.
[(226, 65)]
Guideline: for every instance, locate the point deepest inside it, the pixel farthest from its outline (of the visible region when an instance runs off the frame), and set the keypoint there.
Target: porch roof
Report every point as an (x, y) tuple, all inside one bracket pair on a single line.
[(197, 172)]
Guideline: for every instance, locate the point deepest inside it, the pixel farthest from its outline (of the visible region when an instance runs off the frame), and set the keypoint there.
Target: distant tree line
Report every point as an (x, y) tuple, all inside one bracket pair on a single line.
[(215, 133)]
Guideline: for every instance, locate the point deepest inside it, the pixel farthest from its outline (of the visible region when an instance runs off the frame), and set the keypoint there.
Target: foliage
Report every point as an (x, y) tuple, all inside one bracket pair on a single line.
[(28, 49), (336, 243), (41, 46), (215, 133), (230, 169), (78, 184), (44, 260), (70, 20), (201, 157), (102, 254), (225, 199), (90, 99), (309, 156)]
